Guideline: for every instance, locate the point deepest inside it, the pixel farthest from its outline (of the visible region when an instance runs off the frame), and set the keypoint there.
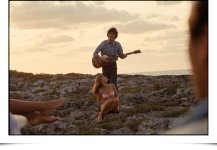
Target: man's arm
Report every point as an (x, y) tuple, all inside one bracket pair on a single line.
[(97, 56), (123, 56), (120, 52), (97, 50)]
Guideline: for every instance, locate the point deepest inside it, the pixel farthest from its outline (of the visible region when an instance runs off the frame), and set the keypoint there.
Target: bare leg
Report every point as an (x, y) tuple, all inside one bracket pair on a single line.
[(115, 107), (22, 107), (97, 114), (106, 107), (53, 105)]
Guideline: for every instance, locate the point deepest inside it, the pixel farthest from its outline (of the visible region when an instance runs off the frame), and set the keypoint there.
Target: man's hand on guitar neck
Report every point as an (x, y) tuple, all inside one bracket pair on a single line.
[(123, 56)]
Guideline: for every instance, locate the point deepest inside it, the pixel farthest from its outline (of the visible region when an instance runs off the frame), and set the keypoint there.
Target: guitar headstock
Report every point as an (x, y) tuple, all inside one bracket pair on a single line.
[(136, 51)]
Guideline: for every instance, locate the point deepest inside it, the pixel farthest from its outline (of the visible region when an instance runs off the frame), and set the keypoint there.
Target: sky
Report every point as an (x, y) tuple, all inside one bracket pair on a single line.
[(57, 37)]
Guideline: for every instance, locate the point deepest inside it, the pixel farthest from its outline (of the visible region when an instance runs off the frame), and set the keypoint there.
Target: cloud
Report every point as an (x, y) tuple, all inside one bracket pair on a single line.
[(175, 18), (156, 52), (36, 49), (42, 15), (138, 27), (85, 49), (99, 3), (170, 19), (81, 34), (153, 15), (58, 39), (174, 36), (167, 2), (172, 42), (159, 16)]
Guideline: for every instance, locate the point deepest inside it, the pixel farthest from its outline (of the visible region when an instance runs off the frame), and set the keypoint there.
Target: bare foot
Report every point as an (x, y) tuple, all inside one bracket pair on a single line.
[(48, 119), (38, 119), (53, 104)]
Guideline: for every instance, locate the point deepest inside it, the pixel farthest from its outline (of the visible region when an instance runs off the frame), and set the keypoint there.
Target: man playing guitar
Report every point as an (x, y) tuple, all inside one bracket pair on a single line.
[(110, 50)]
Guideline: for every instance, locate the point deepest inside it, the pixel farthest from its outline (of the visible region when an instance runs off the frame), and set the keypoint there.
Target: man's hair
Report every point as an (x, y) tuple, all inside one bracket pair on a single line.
[(201, 10), (113, 30)]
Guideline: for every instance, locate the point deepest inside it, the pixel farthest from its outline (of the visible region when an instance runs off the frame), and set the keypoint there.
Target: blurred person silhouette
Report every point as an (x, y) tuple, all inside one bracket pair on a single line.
[(17, 122), (196, 119)]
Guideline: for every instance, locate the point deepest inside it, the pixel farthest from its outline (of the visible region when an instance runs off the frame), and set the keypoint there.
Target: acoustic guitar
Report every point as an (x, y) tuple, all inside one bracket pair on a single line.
[(97, 64)]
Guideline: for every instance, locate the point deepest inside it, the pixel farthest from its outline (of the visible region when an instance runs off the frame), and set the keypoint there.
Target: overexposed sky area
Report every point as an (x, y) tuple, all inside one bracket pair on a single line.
[(60, 37)]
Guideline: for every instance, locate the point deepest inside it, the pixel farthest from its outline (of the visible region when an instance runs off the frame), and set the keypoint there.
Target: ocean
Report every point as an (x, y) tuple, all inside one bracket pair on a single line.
[(165, 72)]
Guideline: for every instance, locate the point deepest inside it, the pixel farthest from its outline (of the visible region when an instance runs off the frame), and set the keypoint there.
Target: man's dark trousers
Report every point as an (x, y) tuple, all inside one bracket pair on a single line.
[(110, 71)]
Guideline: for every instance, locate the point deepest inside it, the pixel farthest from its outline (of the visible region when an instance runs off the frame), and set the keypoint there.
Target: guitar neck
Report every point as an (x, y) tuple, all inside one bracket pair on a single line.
[(129, 53), (133, 52)]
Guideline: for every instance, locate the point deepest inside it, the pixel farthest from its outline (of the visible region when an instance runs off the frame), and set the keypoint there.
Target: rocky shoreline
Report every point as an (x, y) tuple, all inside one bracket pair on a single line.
[(148, 104)]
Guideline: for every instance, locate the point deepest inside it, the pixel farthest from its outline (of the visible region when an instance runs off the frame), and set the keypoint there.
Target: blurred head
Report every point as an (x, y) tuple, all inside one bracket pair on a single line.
[(198, 47), (112, 34)]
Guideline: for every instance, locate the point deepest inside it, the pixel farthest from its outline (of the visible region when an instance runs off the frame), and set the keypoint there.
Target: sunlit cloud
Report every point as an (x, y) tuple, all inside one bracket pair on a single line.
[(168, 36), (99, 2), (85, 49), (165, 3), (44, 15), (75, 51), (36, 49), (138, 27), (171, 43), (58, 39), (155, 16), (175, 18)]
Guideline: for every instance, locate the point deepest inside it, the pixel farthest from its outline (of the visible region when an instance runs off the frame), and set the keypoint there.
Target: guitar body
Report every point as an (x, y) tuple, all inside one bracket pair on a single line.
[(97, 64)]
